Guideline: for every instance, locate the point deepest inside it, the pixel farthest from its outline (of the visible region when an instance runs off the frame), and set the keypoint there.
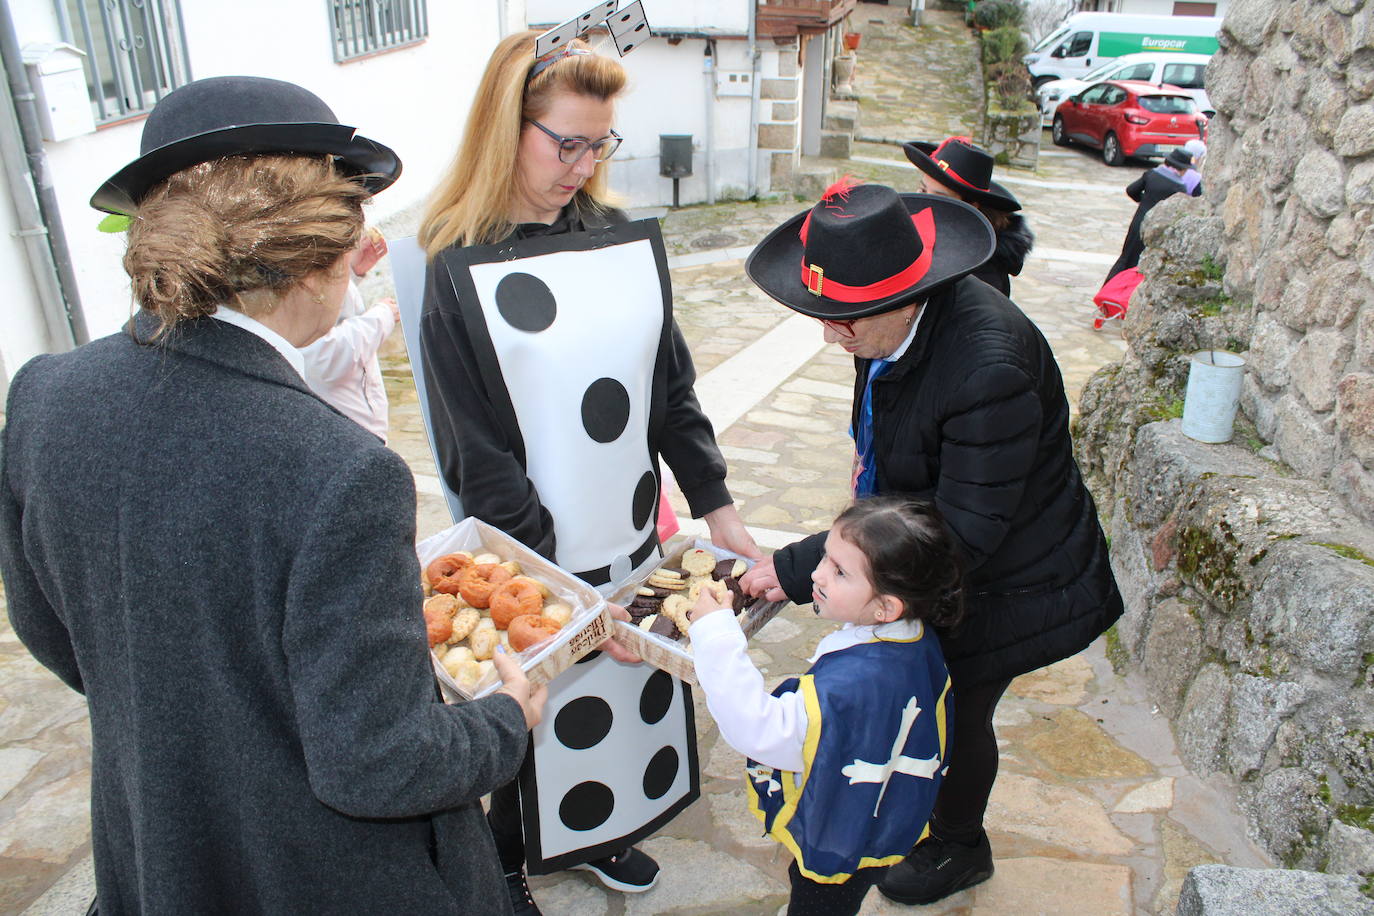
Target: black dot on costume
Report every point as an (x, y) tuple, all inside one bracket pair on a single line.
[(661, 772), (656, 697), (586, 806), (643, 504), (583, 723), (526, 302), (605, 409)]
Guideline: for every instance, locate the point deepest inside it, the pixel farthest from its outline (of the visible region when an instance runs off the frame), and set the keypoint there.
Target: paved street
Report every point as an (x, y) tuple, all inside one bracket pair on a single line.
[(1093, 813)]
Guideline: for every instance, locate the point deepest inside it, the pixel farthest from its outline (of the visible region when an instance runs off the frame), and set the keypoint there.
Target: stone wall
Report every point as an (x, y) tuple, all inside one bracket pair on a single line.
[(1248, 567), (1291, 165)]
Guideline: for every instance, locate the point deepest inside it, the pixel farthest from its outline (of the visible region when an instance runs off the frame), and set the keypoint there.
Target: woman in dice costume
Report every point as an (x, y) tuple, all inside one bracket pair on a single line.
[(557, 378)]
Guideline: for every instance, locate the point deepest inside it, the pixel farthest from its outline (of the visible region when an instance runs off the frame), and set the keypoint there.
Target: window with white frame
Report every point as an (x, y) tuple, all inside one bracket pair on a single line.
[(135, 52), (363, 27)]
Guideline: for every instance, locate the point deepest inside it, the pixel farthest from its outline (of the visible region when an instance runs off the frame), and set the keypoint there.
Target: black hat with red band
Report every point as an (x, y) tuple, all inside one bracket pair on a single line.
[(865, 249), (963, 168)]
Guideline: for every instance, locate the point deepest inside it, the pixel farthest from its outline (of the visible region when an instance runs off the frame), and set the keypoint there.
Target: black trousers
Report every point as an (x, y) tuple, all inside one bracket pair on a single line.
[(507, 829), (963, 797)]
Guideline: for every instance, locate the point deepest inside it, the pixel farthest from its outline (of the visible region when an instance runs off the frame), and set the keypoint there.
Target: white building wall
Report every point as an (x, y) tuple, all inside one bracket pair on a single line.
[(413, 99), (670, 93), (715, 16)]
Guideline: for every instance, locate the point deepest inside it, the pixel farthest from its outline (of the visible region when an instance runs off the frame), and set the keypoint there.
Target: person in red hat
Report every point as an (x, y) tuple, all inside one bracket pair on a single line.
[(957, 399), (956, 168)]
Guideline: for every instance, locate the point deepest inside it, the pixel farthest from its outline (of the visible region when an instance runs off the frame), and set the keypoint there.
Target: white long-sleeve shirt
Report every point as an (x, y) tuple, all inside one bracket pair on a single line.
[(342, 367), (769, 729)]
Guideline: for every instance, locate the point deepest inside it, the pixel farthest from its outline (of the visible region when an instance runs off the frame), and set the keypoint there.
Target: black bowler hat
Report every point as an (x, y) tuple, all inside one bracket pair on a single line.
[(963, 168), (1179, 158), (241, 115), (865, 249)]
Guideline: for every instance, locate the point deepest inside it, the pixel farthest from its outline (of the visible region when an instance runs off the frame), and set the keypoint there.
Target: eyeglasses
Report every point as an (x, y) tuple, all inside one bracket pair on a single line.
[(572, 149), (845, 328)]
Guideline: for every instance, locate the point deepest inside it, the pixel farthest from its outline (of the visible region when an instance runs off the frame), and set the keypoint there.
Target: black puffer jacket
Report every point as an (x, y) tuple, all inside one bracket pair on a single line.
[(974, 416), (1013, 244)]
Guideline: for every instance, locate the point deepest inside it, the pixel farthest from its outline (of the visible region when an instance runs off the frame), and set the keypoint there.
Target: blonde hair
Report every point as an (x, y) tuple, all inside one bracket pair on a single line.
[(473, 203), (240, 231)]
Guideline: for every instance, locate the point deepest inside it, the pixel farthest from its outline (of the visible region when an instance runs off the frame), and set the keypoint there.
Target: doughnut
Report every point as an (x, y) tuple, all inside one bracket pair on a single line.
[(438, 622), (477, 582), (441, 572), (530, 630), (512, 599)]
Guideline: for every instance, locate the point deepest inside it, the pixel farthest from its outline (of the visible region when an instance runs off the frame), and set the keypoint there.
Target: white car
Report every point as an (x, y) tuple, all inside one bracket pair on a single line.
[(1185, 71)]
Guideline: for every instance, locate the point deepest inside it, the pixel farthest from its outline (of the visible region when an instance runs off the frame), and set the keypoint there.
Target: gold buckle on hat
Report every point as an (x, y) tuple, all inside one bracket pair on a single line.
[(944, 166), (818, 275)]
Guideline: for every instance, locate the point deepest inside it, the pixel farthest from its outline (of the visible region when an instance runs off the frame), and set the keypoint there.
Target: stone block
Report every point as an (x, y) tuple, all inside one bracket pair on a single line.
[(1320, 182), (788, 65), (1355, 415), (1258, 706), (1250, 22), (1130, 562), (778, 89), (1350, 850), (835, 144), (778, 136), (1359, 76), (1314, 604), (1221, 890), (1359, 190), (1168, 462), (1364, 339), (810, 185), (841, 116), (785, 111), (1305, 440), (1226, 79), (1355, 485), (1337, 294), (1355, 133), (781, 167), (1283, 814), (1259, 406), (1318, 364), (1173, 654), (1197, 727)]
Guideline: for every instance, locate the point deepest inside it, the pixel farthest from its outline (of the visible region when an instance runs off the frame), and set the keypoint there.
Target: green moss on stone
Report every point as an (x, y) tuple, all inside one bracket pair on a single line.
[(1361, 816), (1116, 652), (1210, 562), (1210, 268), (1345, 550)]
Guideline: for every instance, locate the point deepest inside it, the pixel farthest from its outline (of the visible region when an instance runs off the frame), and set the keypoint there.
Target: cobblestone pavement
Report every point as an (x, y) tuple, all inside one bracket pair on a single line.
[(1093, 813)]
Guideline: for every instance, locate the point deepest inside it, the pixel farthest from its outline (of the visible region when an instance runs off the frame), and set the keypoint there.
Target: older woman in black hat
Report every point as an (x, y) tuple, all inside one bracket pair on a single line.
[(1163, 181), (957, 398), (224, 564), (956, 168)]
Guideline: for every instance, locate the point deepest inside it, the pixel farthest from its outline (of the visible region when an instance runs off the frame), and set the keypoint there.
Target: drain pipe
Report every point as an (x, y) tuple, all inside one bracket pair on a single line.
[(752, 190), (40, 220), (708, 68)]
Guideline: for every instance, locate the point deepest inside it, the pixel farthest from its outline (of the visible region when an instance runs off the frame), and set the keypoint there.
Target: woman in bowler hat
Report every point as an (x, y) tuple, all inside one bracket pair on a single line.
[(1163, 181), (956, 168), (225, 565), (957, 399)]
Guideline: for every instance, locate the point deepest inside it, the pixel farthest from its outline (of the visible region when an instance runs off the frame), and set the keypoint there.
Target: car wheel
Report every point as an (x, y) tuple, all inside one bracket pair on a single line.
[(1111, 150), (1043, 79), (1057, 132)]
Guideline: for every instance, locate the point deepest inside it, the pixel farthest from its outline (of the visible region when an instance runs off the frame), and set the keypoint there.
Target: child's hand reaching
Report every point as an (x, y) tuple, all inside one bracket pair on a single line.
[(714, 596)]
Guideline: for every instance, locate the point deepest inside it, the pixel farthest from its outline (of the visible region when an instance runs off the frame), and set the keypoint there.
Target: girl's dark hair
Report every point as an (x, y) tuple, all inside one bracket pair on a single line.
[(911, 555)]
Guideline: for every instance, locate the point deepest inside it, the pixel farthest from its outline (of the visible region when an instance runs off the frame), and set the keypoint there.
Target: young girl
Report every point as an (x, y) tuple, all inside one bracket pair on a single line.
[(844, 762)]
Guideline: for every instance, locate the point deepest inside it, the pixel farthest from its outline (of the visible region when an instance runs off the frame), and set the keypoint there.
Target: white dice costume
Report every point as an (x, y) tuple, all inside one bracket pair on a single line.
[(555, 378)]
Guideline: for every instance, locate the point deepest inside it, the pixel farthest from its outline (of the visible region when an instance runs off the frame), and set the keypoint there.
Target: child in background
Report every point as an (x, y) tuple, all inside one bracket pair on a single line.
[(342, 366), (845, 761)]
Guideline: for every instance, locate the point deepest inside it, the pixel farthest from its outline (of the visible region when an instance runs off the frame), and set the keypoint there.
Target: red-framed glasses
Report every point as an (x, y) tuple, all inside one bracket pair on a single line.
[(842, 327)]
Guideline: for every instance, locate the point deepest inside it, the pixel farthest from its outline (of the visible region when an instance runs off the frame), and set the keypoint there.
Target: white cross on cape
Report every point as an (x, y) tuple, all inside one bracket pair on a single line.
[(861, 771), (764, 776)]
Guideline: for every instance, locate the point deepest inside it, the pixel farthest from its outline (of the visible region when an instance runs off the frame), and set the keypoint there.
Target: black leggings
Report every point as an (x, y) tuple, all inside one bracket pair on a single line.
[(972, 760), (811, 898)]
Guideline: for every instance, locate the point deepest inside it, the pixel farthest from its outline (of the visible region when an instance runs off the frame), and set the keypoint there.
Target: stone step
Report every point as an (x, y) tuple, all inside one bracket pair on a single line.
[(835, 144), (841, 115), (810, 182)]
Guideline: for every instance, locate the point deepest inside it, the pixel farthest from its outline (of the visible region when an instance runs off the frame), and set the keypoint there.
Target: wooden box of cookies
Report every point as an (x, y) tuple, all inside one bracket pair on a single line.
[(659, 604), (483, 588)]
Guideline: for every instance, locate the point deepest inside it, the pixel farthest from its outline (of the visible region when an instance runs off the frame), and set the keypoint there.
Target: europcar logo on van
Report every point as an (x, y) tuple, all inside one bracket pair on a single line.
[(1118, 44)]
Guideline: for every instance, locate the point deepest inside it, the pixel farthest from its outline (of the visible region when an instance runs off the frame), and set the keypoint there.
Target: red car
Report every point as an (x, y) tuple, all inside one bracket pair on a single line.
[(1125, 118)]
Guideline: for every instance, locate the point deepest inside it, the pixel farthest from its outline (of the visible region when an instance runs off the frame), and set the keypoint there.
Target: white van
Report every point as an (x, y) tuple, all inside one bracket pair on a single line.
[(1086, 40), (1186, 71)]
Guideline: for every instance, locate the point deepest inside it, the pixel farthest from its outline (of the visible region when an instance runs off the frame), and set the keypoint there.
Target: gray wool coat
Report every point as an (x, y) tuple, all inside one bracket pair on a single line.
[(225, 566)]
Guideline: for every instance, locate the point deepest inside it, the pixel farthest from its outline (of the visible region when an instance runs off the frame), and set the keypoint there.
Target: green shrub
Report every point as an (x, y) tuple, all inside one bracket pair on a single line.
[(1004, 44), (996, 14)]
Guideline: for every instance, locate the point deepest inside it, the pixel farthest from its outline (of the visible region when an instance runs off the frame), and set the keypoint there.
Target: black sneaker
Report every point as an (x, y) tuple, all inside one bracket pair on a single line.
[(520, 900), (632, 872), (937, 868)]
